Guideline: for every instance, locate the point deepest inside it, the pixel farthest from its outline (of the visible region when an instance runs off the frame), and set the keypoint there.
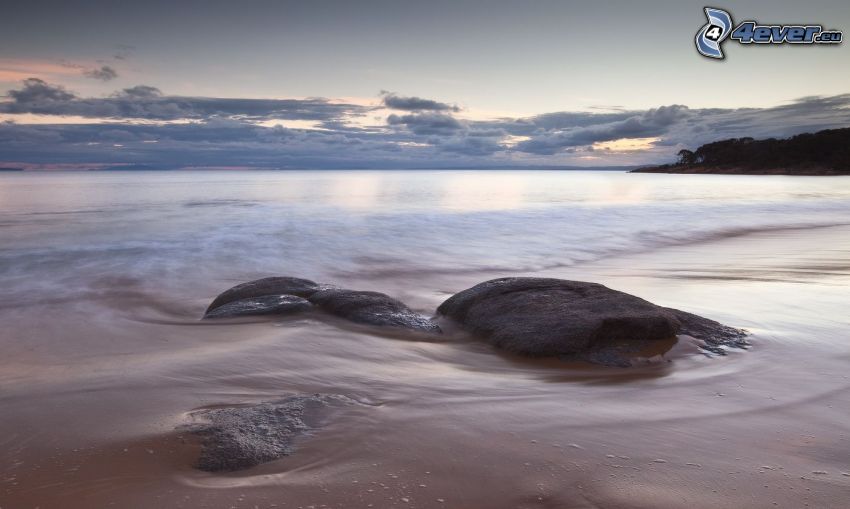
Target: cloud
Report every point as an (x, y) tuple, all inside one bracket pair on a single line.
[(650, 123), (37, 91), (397, 102), (471, 145), (123, 52), (148, 103), (426, 123), (804, 114), (104, 73), (214, 143), (140, 92), (137, 129)]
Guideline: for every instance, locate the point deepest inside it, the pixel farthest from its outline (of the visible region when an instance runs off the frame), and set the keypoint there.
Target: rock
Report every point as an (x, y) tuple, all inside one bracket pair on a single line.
[(266, 286), (371, 308), (715, 336), (287, 295), (235, 438), (555, 317), (265, 305)]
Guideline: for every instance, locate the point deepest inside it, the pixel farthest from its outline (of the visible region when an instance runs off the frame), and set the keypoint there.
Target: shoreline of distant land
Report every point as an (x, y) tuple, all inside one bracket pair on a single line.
[(824, 153), (118, 168), (696, 169)]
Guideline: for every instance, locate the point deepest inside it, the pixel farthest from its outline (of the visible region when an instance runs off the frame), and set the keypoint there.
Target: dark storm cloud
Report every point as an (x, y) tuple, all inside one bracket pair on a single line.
[(398, 102), (143, 102), (104, 73)]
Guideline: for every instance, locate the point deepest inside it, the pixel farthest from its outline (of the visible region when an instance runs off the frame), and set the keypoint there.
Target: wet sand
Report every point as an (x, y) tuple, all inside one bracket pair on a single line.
[(449, 424), (94, 384)]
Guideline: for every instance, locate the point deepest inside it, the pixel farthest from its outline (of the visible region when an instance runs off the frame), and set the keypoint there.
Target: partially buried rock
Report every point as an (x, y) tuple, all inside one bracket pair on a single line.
[(265, 305), (371, 308), (235, 438), (288, 295), (264, 287), (555, 317), (715, 336)]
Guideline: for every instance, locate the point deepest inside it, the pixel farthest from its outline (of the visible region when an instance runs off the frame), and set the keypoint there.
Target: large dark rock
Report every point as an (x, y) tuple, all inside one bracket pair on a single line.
[(371, 308), (266, 286), (555, 317), (265, 305), (235, 438)]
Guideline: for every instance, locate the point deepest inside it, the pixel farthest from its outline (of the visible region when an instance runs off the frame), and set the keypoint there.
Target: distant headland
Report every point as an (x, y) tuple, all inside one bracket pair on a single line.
[(822, 153)]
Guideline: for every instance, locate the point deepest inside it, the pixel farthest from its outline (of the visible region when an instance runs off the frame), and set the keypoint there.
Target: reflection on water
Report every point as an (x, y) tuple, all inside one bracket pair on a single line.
[(469, 192), (105, 275), (218, 226)]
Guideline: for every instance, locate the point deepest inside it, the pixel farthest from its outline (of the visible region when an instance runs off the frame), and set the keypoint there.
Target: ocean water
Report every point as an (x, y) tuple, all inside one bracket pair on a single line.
[(219, 226), (104, 277)]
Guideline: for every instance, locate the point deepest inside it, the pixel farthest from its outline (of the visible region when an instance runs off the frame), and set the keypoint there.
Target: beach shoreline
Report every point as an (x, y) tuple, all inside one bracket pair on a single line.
[(98, 384)]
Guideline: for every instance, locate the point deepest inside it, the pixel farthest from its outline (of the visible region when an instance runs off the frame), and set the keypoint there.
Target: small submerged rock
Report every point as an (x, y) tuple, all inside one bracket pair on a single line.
[(715, 336), (555, 317), (264, 287), (240, 437), (288, 295), (371, 308), (265, 305)]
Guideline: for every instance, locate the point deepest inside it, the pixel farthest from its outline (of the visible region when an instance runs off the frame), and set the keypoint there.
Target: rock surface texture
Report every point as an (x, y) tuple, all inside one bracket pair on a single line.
[(555, 317), (288, 295), (265, 305), (264, 287), (240, 437), (715, 336), (371, 308)]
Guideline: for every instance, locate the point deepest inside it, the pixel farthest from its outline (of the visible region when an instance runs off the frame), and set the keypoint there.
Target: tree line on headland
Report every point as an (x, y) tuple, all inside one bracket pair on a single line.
[(822, 153)]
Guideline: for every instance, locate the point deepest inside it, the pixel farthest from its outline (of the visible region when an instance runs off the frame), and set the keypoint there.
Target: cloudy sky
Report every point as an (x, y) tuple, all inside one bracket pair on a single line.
[(336, 84)]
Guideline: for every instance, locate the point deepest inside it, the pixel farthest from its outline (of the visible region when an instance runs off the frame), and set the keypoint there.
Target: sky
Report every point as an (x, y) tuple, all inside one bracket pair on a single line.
[(399, 84)]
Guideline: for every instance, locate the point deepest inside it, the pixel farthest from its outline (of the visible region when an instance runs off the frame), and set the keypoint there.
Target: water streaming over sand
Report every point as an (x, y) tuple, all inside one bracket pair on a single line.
[(104, 277)]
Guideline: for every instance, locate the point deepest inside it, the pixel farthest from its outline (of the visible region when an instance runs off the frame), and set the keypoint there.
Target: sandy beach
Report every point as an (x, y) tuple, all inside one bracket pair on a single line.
[(105, 355)]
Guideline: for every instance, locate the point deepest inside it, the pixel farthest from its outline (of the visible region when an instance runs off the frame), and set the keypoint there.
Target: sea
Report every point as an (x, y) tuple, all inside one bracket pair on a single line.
[(105, 276)]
